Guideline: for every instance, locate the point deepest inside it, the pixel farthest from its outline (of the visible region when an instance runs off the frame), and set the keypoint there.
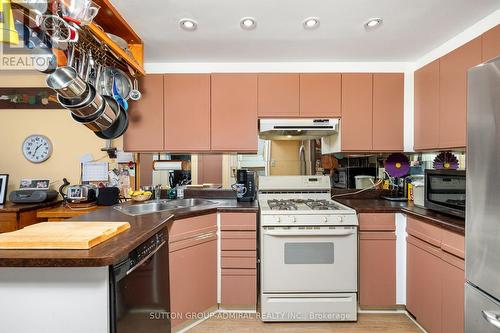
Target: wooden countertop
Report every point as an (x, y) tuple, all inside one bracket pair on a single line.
[(445, 221), (10, 207), (116, 248)]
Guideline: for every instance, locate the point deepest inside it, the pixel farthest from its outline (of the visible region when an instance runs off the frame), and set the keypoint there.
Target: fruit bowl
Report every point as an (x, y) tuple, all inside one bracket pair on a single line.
[(141, 197)]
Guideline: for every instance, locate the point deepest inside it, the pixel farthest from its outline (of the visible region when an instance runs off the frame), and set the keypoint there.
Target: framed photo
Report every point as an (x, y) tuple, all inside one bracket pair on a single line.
[(4, 181)]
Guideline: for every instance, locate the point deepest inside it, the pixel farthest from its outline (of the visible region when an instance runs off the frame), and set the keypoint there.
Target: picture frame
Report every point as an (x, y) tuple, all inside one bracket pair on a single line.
[(4, 182)]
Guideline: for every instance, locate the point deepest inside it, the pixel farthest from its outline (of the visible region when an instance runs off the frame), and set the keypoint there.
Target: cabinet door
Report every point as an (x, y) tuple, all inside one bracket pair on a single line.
[(453, 294), (388, 111), (491, 43), (453, 93), (234, 112), (320, 95), (145, 130), (187, 112), (426, 106), (357, 112), (377, 269), (193, 266), (278, 95), (424, 284)]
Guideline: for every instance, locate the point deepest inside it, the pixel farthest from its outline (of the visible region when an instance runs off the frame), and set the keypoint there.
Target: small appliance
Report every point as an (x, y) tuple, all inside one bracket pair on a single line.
[(245, 185), (345, 177), (78, 193), (33, 191), (445, 191), (108, 196)]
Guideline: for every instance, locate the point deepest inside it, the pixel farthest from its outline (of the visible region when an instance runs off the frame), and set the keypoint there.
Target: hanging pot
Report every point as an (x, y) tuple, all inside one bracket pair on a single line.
[(66, 82)]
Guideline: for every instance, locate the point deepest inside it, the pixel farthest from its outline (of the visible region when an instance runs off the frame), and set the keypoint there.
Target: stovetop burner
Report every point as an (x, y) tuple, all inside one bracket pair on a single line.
[(293, 204)]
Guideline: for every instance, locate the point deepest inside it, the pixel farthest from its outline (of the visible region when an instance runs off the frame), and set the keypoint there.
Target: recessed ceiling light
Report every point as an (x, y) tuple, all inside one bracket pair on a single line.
[(373, 23), (311, 23), (248, 23), (188, 24)]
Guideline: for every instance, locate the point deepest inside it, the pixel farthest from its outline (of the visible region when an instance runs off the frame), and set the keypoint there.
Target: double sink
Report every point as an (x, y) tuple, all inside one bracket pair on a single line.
[(157, 206)]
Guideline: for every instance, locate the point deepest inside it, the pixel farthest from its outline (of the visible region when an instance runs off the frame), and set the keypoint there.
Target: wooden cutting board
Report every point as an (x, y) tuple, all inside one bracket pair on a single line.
[(62, 235)]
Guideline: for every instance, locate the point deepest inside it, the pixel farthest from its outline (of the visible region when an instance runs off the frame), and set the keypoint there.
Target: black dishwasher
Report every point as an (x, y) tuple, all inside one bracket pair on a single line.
[(139, 289)]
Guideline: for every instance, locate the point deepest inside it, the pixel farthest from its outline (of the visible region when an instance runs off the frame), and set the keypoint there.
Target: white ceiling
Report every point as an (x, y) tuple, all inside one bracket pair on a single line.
[(411, 28)]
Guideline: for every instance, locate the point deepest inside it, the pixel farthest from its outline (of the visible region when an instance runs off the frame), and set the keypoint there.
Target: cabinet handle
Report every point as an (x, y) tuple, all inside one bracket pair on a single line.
[(492, 318)]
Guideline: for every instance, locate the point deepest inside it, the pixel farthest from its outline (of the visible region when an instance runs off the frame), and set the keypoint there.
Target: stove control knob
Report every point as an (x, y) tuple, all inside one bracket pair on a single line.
[(325, 219), (340, 219)]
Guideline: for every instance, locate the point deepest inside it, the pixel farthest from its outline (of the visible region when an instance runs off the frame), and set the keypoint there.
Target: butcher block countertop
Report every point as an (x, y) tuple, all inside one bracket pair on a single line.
[(445, 221), (116, 248)]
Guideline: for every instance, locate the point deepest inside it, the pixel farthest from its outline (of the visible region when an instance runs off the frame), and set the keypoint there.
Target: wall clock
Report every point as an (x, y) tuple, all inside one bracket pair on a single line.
[(37, 148)]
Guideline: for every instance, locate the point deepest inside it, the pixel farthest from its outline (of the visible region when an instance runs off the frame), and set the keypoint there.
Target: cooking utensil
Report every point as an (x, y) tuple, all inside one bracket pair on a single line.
[(104, 120), (90, 107), (123, 83), (120, 125), (66, 82), (116, 95), (81, 64), (58, 30), (81, 12), (135, 94)]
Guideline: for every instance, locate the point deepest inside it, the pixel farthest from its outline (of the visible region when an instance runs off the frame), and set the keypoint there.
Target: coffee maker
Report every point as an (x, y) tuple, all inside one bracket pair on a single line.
[(245, 181)]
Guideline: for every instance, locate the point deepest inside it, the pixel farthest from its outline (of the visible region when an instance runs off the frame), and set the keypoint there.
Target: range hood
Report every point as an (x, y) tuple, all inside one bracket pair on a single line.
[(297, 129)]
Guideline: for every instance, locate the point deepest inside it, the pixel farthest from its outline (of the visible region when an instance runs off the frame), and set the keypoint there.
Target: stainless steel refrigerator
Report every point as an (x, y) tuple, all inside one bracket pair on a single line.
[(482, 253)]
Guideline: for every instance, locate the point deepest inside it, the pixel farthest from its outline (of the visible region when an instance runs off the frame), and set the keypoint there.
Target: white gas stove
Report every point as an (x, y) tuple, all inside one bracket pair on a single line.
[(308, 251)]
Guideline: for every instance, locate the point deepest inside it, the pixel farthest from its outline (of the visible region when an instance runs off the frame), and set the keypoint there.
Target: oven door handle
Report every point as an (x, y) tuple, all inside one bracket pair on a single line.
[(283, 233)]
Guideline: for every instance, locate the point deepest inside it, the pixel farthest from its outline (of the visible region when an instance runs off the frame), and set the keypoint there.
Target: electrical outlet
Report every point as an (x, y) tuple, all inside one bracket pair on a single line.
[(233, 171)]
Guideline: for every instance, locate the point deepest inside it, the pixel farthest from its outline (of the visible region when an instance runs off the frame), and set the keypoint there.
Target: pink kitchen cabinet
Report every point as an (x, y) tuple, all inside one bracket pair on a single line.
[(453, 282), (187, 112), (239, 260), (278, 95), (357, 115), (426, 107), (453, 93), (193, 266), (424, 284), (234, 112), (377, 260), (145, 130), (491, 43), (388, 111), (320, 95)]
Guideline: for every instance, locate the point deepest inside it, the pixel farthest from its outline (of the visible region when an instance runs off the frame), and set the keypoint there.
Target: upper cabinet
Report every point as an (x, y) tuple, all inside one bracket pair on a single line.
[(426, 115), (320, 95), (187, 112), (388, 111), (357, 112), (453, 93), (278, 95), (491, 43), (145, 130), (234, 112)]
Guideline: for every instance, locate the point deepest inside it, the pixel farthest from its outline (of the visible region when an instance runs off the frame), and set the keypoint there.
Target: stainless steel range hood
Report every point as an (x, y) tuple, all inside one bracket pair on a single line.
[(297, 129)]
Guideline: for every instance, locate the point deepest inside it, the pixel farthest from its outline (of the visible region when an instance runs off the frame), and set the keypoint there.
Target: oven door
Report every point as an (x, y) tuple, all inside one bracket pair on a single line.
[(309, 259)]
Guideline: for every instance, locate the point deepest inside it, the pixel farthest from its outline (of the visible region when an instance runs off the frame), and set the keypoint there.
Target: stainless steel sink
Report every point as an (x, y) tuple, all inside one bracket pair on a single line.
[(161, 206)]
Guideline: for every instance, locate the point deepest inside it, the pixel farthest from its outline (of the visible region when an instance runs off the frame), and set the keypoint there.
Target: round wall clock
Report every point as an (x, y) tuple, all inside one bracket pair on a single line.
[(37, 148)]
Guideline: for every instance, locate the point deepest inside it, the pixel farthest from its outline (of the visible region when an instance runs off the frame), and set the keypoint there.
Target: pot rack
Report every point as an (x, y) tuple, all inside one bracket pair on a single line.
[(93, 37)]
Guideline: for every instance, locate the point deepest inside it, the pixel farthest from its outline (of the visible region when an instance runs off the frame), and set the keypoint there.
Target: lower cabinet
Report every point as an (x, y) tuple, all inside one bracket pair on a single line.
[(377, 260), (193, 267), (424, 284), (238, 260), (435, 277)]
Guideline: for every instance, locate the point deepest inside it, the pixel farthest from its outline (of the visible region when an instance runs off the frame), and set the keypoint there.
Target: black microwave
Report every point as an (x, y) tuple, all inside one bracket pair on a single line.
[(445, 191)]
